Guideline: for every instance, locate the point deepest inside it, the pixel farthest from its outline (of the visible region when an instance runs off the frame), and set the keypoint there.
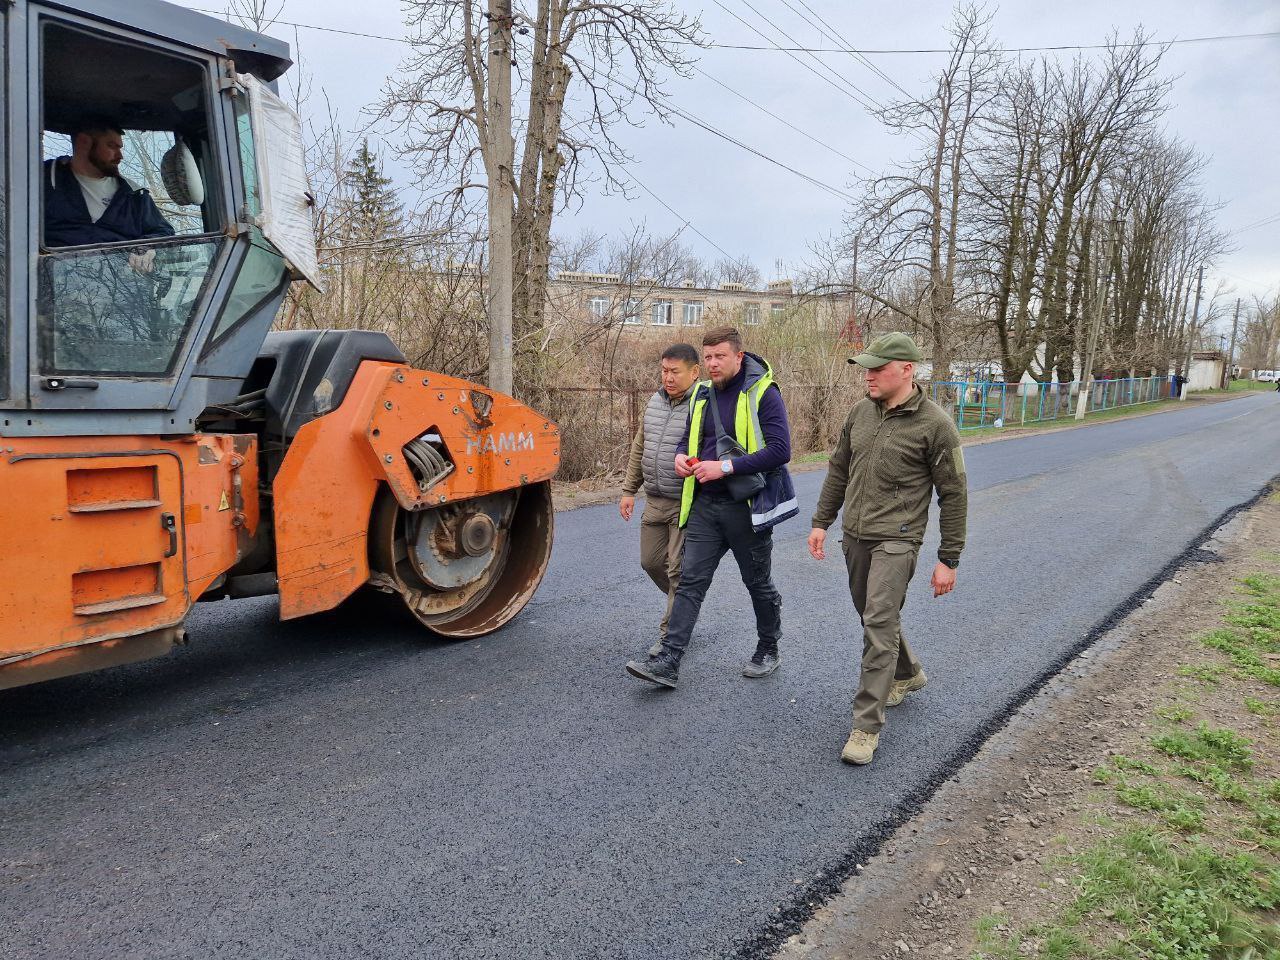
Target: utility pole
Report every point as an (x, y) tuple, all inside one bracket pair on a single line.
[(1091, 346), (1231, 354), (1191, 333), (853, 300), (501, 161)]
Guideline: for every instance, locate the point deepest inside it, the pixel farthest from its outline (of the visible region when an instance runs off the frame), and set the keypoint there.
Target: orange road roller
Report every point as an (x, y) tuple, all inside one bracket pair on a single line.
[(158, 445)]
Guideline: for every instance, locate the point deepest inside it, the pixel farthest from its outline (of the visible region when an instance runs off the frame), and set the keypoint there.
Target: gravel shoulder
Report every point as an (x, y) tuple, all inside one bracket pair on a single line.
[(992, 862)]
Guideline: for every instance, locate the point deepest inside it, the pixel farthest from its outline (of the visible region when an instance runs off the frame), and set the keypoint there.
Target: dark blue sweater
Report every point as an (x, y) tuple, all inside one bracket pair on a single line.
[(773, 424), (132, 214)]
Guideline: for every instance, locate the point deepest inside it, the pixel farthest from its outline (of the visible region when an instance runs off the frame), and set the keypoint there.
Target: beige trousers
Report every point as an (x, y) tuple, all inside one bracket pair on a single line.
[(661, 547), (879, 571)]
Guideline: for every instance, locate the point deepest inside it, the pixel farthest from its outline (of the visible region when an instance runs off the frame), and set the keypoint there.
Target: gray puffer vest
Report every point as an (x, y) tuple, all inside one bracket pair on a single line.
[(665, 425)]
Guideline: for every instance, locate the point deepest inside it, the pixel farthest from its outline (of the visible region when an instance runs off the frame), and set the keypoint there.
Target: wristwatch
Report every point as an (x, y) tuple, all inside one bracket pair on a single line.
[(726, 465), (950, 563)]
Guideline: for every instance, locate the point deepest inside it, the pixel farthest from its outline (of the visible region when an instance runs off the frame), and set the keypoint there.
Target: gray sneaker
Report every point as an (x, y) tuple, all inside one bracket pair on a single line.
[(656, 649), (761, 664), (657, 670)]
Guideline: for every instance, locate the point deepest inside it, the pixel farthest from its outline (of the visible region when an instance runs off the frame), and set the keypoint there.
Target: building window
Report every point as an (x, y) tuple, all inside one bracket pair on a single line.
[(693, 314), (599, 306), (751, 313), (660, 312), (631, 311), (775, 309)]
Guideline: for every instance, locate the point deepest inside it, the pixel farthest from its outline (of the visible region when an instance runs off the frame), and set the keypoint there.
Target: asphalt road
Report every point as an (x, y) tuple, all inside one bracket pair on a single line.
[(342, 788)]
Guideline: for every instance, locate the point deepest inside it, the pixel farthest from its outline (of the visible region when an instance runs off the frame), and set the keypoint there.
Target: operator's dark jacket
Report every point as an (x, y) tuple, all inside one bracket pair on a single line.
[(132, 214), (884, 471)]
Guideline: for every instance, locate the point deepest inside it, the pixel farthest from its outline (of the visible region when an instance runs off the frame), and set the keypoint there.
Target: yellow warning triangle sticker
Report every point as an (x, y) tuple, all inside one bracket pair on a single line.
[(224, 504)]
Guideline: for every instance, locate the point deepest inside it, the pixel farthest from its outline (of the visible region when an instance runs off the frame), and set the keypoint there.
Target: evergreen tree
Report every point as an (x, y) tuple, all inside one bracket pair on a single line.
[(374, 213)]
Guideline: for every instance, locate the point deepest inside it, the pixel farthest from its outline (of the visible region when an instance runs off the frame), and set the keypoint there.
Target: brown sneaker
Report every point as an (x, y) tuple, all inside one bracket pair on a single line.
[(898, 692), (861, 747)]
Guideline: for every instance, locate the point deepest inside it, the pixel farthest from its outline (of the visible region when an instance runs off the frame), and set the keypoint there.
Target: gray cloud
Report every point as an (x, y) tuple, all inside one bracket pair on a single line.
[(1224, 102)]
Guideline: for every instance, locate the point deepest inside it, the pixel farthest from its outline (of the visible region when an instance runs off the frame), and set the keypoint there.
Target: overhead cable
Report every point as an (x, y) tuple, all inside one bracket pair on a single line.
[(802, 49)]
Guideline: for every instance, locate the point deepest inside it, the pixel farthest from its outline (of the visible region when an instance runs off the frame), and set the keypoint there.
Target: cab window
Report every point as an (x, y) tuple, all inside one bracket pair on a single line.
[(131, 217)]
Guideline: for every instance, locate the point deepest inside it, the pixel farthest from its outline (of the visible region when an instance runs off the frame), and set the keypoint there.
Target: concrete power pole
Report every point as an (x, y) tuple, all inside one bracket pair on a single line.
[(853, 300), (501, 151), (1231, 354), (1191, 334), (1091, 346)]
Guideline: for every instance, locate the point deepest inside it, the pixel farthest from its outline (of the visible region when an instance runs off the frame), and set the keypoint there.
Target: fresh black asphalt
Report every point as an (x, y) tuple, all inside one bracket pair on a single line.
[(343, 787)]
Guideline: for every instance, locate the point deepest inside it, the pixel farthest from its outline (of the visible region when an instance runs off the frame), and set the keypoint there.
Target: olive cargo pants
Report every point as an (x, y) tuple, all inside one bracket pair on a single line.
[(879, 571), (661, 548)]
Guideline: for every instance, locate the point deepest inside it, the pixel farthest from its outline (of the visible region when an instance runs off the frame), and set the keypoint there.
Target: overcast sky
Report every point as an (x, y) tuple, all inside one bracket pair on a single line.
[(1225, 102)]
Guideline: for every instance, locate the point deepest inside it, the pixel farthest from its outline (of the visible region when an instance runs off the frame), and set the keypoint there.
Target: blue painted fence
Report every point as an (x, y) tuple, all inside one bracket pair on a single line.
[(982, 403)]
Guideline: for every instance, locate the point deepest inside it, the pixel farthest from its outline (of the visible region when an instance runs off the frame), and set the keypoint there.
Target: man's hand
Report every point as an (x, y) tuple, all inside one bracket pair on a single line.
[(817, 543), (708, 470), (626, 506), (143, 262), (683, 469), (944, 579)]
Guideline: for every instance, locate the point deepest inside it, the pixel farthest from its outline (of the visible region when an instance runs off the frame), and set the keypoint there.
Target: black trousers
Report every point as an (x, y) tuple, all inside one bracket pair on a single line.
[(718, 526)]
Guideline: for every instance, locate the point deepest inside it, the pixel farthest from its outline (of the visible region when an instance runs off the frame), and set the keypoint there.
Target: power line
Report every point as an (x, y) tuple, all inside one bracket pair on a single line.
[(1264, 222), (309, 26), (698, 122), (783, 120), (1065, 46), (839, 36), (715, 131), (802, 49), (857, 96), (687, 222)]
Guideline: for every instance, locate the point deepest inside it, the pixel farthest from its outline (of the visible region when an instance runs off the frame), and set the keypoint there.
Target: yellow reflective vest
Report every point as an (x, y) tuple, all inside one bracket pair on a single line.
[(746, 422)]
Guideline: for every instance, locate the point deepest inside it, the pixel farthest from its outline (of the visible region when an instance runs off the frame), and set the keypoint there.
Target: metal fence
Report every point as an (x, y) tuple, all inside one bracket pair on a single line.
[(597, 423), (979, 403)]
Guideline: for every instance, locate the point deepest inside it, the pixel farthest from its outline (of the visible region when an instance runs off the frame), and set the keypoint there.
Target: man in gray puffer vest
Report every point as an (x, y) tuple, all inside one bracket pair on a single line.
[(652, 463)]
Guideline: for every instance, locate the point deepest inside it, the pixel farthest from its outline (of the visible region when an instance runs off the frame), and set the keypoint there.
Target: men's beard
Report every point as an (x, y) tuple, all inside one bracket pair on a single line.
[(105, 167)]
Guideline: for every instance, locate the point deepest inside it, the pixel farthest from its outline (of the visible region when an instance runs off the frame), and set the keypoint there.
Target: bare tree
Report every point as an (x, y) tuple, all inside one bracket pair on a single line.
[(739, 270), (570, 57), (255, 14), (911, 220)]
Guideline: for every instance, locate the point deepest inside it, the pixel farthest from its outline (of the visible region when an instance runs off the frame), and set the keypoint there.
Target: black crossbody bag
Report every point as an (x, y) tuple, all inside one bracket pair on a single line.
[(741, 486)]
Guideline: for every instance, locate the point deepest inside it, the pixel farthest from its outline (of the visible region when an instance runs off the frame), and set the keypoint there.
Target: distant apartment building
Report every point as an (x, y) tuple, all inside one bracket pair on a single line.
[(647, 305)]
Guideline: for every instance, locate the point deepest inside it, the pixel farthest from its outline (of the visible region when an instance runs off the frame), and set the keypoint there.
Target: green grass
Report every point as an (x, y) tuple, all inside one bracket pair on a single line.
[(1209, 673), (1217, 745), (1248, 386), (818, 456), (1220, 780), (1251, 638), (1175, 713), (1260, 708), (1193, 872), (1171, 899)]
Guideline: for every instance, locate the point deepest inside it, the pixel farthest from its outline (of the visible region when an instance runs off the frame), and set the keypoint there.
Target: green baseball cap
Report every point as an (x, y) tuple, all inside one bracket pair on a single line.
[(890, 346)]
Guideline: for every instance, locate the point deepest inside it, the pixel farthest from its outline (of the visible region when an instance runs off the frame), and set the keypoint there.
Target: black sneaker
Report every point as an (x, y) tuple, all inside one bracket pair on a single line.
[(657, 670), (761, 664)]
